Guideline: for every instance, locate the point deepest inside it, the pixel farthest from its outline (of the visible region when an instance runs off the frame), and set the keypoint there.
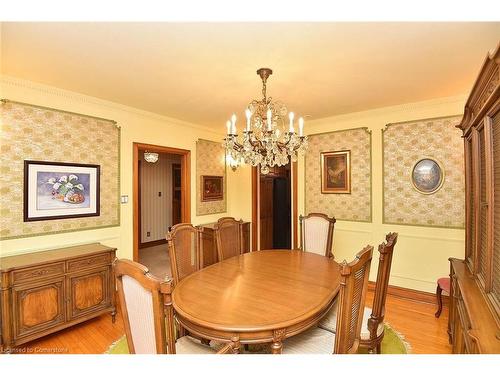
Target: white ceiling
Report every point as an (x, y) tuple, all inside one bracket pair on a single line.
[(202, 72)]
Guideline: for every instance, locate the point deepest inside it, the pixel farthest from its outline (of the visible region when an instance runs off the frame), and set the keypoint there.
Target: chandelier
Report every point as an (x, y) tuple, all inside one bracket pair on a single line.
[(265, 141)]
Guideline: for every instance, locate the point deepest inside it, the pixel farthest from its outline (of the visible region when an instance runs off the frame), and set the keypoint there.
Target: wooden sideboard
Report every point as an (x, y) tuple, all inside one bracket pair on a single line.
[(210, 244), (47, 291), (474, 322), (472, 326)]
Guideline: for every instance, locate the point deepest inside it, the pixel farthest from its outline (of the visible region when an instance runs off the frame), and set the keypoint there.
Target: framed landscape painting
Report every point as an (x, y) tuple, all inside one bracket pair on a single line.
[(212, 188), (336, 172), (55, 190)]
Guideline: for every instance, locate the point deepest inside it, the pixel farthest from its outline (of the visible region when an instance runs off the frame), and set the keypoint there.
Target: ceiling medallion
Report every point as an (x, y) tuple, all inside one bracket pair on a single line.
[(265, 140)]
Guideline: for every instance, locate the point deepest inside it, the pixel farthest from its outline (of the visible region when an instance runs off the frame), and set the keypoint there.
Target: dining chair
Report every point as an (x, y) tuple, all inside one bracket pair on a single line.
[(229, 237), (148, 314), (351, 302), (316, 233), (372, 330), (185, 250)]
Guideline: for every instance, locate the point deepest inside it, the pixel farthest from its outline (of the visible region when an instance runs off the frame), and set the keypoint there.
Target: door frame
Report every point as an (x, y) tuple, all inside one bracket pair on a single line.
[(185, 186), (256, 208)]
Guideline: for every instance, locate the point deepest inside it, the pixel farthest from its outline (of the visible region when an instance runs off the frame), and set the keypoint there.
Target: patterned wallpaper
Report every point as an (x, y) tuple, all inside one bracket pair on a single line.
[(355, 206), (35, 133), (406, 143), (210, 161)]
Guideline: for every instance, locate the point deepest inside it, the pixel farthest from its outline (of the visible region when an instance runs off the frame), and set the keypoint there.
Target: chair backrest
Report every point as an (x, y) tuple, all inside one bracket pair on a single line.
[(384, 269), (185, 250), (144, 302), (316, 233), (229, 235), (352, 296)]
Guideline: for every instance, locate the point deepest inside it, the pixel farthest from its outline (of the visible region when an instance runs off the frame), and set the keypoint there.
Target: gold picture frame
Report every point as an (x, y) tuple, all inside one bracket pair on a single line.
[(336, 172), (425, 181), (212, 188)]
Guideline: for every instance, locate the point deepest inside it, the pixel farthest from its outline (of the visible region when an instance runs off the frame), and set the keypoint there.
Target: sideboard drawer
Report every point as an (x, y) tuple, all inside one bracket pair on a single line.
[(81, 263), (37, 273)]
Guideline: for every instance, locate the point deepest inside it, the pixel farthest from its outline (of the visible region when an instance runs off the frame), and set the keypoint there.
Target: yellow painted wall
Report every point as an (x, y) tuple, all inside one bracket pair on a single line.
[(136, 126), (421, 255)]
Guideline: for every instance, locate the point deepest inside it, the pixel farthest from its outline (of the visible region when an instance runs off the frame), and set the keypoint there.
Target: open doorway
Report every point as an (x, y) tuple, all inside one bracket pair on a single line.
[(161, 200), (274, 208)]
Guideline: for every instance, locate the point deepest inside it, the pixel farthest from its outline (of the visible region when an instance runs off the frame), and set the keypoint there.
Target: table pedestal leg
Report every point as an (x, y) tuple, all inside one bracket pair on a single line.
[(276, 347), (236, 345)]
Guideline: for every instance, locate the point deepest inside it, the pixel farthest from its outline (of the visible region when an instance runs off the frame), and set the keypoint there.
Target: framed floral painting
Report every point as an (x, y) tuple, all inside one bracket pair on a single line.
[(55, 190), (336, 172)]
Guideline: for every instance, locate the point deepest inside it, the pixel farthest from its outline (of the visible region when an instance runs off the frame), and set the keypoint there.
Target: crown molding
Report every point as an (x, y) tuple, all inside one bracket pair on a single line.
[(87, 99), (393, 110)]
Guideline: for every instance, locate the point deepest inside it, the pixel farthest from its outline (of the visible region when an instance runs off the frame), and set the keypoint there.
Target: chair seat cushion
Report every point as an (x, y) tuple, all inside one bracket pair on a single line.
[(444, 283), (329, 322), (312, 341), (189, 345)]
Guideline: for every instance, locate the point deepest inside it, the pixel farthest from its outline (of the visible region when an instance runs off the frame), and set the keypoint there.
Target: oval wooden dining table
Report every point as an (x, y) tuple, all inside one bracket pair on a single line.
[(258, 297)]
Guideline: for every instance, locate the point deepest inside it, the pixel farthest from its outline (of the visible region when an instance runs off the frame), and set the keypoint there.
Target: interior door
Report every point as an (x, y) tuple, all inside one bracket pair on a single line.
[(281, 214), (176, 194), (266, 213)]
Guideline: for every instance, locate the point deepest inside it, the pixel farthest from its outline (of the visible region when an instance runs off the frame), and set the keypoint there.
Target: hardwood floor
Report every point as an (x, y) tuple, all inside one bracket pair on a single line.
[(91, 337), (415, 320)]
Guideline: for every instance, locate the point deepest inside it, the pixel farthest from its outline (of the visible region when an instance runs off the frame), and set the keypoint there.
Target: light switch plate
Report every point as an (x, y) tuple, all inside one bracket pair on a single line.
[(124, 199)]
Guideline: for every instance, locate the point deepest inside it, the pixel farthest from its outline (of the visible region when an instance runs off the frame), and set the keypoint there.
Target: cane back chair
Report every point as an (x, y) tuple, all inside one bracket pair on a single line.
[(185, 250), (372, 331), (229, 237), (351, 302)]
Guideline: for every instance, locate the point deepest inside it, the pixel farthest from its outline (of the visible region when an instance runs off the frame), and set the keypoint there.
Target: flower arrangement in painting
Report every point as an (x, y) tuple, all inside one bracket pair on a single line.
[(67, 189)]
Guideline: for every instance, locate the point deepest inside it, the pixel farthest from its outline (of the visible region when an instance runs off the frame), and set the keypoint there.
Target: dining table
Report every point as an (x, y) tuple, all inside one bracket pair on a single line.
[(258, 297)]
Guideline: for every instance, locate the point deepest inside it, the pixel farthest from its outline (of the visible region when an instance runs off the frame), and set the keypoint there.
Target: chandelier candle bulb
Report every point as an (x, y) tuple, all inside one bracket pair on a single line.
[(228, 125), (290, 116), (233, 122), (248, 113), (301, 127), (269, 120)]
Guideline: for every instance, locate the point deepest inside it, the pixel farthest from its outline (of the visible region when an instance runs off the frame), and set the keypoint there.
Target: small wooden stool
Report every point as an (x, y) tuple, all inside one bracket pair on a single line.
[(443, 286)]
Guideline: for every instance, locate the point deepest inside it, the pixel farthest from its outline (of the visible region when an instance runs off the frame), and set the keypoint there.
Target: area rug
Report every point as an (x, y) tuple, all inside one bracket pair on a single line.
[(393, 343)]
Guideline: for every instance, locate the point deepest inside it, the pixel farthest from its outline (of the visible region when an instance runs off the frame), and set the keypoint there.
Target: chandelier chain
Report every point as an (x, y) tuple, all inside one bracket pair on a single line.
[(264, 87)]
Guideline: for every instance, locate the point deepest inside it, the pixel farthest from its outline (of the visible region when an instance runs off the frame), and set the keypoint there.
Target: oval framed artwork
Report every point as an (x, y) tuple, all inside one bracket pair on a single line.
[(427, 176)]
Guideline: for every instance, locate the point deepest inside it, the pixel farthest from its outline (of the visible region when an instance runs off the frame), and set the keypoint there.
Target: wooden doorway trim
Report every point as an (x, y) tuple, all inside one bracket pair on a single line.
[(255, 206), (185, 186)]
